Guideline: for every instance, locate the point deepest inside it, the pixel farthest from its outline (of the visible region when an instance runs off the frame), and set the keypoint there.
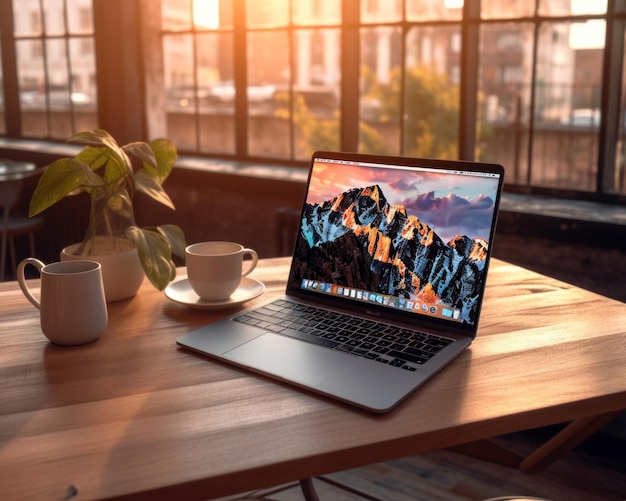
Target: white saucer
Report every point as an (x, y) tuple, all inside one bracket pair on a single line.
[(181, 292)]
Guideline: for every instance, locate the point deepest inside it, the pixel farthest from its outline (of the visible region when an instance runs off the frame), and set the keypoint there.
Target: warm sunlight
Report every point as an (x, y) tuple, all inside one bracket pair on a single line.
[(206, 13), (453, 4)]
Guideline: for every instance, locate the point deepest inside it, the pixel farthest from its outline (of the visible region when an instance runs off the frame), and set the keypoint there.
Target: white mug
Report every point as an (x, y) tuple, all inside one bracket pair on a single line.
[(215, 269), (72, 306)]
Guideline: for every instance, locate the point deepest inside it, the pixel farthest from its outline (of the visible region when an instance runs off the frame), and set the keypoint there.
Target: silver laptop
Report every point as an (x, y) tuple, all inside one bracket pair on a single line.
[(386, 283)]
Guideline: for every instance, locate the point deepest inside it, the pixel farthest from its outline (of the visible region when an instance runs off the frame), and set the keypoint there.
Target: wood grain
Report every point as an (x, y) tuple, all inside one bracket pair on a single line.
[(132, 415)]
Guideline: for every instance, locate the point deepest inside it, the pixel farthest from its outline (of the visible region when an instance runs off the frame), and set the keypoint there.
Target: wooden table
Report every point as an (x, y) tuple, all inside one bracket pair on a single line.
[(132, 414)]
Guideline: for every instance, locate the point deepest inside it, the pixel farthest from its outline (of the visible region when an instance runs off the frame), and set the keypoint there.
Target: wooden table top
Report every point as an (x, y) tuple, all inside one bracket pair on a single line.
[(132, 413)]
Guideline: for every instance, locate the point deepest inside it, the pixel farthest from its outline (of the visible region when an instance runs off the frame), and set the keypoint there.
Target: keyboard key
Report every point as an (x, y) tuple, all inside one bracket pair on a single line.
[(389, 344)]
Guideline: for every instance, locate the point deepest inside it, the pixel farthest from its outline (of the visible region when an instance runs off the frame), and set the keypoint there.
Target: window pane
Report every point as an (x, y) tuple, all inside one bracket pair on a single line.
[(27, 19), (307, 12), (567, 109), (497, 9), (215, 94), (314, 97), (54, 17), (176, 15), (267, 13), (31, 77), (504, 97), (84, 93), (58, 89), (380, 11), (56, 73), (213, 14), (79, 16), (269, 133), (178, 66), (434, 10), (431, 104), (380, 96), (576, 7)]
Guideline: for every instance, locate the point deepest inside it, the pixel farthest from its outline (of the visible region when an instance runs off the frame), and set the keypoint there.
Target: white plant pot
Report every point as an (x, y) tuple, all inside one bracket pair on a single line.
[(122, 273)]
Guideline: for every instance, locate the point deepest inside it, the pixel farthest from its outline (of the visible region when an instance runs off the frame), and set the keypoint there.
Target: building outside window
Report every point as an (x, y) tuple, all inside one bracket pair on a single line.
[(274, 80)]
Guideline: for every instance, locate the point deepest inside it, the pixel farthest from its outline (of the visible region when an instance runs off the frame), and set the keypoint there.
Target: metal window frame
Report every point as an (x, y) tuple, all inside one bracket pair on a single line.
[(123, 36)]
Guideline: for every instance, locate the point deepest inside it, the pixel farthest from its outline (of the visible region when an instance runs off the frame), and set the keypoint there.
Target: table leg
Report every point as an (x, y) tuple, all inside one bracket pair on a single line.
[(564, 441), (308, 490)]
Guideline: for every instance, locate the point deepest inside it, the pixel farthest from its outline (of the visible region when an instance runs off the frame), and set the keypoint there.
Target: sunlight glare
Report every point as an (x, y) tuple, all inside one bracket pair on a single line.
[(453, 4), (587, 35), (206, 13)]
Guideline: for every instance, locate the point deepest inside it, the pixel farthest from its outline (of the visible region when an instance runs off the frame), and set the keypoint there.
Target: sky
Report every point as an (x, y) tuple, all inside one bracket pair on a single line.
[(589, 35), (582, 35), (450, 205)]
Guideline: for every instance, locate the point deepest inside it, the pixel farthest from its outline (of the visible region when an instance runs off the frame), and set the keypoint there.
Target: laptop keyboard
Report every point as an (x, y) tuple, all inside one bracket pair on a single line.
[(388, 344)]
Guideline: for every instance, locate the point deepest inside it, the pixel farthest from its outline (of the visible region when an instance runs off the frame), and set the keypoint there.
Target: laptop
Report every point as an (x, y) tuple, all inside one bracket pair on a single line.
[(386, 282)]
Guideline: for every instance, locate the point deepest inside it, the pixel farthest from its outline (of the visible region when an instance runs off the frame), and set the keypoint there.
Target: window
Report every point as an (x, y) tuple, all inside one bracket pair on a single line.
[(535, 86), (54, 63)]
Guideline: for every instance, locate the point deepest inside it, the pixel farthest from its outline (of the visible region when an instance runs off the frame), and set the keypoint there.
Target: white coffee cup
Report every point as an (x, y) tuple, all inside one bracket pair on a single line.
[(215, 269), (72, 306)]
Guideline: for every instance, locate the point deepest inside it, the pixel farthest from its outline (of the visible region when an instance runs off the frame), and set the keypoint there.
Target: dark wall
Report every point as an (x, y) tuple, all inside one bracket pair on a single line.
[(209, 206)]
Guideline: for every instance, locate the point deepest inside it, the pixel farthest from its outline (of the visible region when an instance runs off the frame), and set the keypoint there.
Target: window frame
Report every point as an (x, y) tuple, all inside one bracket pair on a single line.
[(123, 35)]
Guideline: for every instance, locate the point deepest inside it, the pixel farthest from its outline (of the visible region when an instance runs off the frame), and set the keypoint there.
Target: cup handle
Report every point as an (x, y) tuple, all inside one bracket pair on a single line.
[(21, 279), (252, 264)]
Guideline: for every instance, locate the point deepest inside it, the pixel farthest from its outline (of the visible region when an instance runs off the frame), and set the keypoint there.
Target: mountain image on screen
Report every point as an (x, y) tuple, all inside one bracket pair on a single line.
[(359, 240)]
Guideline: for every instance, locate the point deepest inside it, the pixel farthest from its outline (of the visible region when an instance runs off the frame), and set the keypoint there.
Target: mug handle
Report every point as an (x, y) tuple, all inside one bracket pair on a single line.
[(252, 265), (21, 279)]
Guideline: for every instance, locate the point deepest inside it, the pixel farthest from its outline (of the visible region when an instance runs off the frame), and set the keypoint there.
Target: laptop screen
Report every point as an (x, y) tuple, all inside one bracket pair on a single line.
[(400, 234)]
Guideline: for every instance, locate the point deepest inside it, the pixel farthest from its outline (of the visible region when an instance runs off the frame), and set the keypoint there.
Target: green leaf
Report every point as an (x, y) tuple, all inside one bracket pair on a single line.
[(117, 162), (61, 178), (175, 237), (94, 156), (165, 154), (147, 184), (95, 137), (143, 152), (116, 167), (154, 254)]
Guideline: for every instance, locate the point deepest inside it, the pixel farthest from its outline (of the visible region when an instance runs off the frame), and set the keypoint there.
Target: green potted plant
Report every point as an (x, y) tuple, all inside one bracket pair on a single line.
[(105, 171)]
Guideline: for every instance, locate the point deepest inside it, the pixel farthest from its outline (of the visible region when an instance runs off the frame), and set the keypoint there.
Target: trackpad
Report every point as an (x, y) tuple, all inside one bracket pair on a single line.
[(289, 359)]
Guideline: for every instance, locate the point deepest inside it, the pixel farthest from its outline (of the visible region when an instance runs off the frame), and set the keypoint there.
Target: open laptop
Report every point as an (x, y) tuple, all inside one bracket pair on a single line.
[(386, 283)]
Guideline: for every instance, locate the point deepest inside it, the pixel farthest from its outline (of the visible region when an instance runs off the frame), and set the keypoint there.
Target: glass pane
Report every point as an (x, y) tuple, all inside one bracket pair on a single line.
[(269, 132), (504, 97), (434, 10), (179, 84), (380, 12), (567, 109), (32, 83), (379, 103), (54, 17), (79, 16), (497, 9), (314, 97), (215, 93), (58, 98), (28, 20), (267, 13), (432, 98), (307, 12), (587, 35), (576, 7), (84, 93), (176, 15), (213, 14)]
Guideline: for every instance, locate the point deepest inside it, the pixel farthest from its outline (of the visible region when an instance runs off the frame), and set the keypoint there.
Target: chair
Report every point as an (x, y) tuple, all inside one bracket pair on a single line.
[(12, 225)]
